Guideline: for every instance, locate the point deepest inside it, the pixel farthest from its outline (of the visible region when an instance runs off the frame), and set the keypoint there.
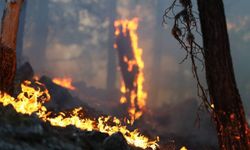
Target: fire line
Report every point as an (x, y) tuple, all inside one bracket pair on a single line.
[(34, 95)]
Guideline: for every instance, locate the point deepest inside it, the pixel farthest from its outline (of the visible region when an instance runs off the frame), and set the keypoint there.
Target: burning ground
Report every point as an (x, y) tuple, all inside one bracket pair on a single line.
[(63, 127), (27, 132), (30, 101), (50, 117)]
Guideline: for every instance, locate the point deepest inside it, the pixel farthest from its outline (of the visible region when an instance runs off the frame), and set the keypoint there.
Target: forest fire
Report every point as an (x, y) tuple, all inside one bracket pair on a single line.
[(156, 96), (131, 66), (34, 95), (64, 82)]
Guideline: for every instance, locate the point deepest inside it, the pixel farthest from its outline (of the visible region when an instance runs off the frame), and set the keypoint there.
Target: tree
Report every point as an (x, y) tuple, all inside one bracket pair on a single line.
[(9, 29), (223, 101), (228, 109)]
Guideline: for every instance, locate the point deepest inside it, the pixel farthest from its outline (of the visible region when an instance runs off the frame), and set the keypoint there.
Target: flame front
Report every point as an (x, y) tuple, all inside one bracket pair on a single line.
[(136, 96), (28, 101), (64, 82), (32, 98)]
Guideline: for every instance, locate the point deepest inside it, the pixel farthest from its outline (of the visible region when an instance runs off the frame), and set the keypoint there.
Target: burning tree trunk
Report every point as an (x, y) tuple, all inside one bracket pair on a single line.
[(131, 66), (9, 30), (228, 109), (129, 70), (126, 55)]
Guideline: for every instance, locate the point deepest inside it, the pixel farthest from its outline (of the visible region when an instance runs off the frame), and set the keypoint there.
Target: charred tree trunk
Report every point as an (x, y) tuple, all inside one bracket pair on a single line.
[(128, 69), (228, 109), (125, 51), (9, 31)]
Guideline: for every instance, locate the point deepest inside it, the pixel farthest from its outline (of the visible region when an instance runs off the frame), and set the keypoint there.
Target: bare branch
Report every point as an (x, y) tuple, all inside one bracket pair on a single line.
[(184, 30)]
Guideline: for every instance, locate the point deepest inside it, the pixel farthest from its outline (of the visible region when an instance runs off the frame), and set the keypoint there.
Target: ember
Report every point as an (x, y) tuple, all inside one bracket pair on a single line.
[(183, 148)]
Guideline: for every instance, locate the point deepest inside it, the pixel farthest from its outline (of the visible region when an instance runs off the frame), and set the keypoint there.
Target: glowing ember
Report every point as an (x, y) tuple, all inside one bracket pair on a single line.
[(33, 96), (136, 96), (64, 82), (183, 148), (212, 106)]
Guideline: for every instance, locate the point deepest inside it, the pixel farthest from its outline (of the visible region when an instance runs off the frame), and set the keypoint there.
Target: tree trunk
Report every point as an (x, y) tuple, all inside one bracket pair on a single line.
[(228, 109), (9, 31)]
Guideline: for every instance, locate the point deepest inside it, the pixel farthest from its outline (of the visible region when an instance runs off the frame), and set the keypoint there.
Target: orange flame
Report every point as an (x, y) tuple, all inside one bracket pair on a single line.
[(32, 98), (64, 82), (28, 101), (138, 96), (183, 148)]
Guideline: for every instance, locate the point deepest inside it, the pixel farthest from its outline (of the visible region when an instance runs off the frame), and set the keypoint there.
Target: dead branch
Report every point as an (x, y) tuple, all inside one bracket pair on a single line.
[(184, 30)]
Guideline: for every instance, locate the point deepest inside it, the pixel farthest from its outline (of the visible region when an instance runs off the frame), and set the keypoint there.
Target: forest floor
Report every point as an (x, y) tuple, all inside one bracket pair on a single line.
[(23, 132), (28, 132)]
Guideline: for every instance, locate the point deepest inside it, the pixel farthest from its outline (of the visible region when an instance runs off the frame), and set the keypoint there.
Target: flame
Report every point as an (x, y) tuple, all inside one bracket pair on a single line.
[(183, 148), (64, 82), (33, 96), (138, 96), (212, 106), (28, 101)]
